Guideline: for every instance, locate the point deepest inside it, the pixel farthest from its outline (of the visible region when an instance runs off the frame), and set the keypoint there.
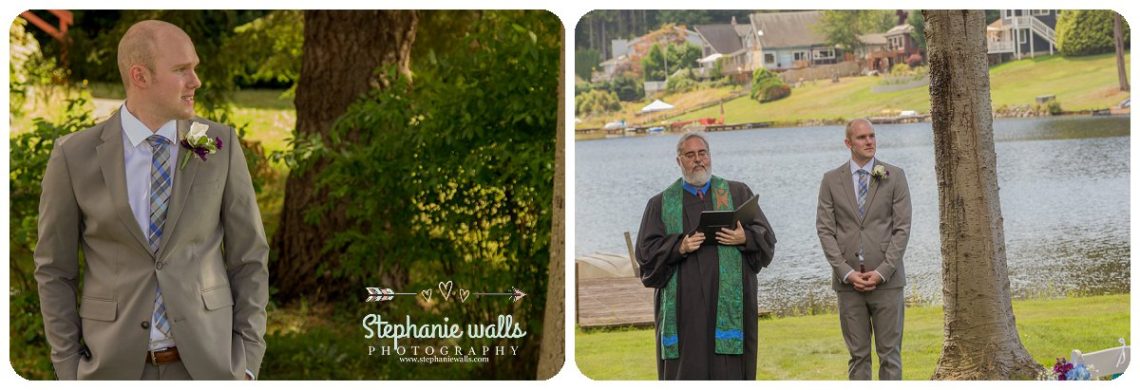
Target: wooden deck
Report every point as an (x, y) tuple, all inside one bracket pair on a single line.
[(605, 302)]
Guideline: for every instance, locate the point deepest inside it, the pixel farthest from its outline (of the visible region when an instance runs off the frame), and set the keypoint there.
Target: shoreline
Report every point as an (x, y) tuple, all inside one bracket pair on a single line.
[(593, 134)]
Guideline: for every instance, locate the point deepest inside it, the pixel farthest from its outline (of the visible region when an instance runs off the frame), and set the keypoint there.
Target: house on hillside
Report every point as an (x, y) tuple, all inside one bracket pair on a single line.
[(626, 54), (1021, 33), (734, 45), (789, 40)]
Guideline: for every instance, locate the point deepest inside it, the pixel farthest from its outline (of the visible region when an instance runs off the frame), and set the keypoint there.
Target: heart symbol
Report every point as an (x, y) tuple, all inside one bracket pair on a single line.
[(463, 294), (426, 294), (445, 289)]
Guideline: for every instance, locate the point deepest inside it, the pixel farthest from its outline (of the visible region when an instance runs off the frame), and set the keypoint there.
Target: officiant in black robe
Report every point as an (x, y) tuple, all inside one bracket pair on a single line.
[(696, 265)]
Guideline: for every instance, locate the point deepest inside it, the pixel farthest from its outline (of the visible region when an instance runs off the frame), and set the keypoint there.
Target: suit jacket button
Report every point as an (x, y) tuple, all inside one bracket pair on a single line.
[(158, 265), (145, 325)]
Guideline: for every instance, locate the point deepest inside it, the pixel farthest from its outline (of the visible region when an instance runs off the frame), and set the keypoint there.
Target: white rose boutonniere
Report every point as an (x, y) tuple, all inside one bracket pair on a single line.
[(880, 172), (198, 143)]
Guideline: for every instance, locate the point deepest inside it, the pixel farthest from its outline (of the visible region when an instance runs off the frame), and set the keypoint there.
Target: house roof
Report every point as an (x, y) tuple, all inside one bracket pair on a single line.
[(723, 38), (873, 39), (900, 29), (787, 29)]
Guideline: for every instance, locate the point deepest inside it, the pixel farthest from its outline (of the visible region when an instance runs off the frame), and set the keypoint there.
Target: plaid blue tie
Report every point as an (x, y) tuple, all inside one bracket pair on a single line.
[(862, 190), (160, 185)]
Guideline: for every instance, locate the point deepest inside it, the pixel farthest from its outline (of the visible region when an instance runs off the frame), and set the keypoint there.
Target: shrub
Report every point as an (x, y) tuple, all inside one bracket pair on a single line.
[(596, 101), (628, 89), (1054, 107), (681, 83), (1086, 32), (763, 83)]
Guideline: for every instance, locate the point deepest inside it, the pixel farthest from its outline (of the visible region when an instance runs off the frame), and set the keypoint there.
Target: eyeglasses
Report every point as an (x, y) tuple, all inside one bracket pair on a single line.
[(691, 156)]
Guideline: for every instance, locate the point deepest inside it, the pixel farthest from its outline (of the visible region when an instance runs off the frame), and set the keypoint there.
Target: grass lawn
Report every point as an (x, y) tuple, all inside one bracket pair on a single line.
[(1079, 83), (812, 348)]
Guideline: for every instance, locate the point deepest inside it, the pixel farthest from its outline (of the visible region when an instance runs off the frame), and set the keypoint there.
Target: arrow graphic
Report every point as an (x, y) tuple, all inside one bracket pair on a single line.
[(515, 294), (376, 294)]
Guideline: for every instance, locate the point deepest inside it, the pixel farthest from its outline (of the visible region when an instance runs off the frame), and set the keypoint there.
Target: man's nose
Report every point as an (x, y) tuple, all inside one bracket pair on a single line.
[(195, 82)]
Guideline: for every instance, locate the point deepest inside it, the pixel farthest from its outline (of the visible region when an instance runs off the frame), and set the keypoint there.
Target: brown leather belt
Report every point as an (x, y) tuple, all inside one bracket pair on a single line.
[(163, 356)]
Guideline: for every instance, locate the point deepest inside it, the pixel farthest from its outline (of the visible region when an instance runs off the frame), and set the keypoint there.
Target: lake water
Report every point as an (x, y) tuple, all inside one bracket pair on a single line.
[(1064, 191)]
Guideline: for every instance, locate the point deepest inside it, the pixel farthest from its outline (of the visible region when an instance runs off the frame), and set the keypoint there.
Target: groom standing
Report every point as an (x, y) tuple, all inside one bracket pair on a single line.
[(863, 221), (175, 280)]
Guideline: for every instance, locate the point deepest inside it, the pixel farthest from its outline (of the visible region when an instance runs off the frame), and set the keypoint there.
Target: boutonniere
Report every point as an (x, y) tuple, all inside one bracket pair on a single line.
[(880, 172), (199, 143)]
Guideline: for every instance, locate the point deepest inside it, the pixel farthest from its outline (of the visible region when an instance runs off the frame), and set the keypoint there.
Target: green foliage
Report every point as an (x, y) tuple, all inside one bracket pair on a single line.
[(596, 101), (843, 27), (717, 69), (628, 89), (1054, 107), (669, 59), (681, 82), (683, 56), (653, 64), (585, 61), (270, 47), (460, 171), (1086, 32), (29, 157), (918, 22), (768, 86)]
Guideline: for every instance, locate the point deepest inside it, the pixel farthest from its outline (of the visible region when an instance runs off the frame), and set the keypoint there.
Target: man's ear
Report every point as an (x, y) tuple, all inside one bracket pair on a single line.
[(140, 76)]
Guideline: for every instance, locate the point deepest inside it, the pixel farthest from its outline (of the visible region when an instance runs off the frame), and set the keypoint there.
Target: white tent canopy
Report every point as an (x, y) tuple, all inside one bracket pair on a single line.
[(657, 105)]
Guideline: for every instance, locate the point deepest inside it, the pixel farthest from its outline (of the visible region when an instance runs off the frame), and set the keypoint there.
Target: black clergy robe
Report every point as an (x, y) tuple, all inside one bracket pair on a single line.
[(698, 285)]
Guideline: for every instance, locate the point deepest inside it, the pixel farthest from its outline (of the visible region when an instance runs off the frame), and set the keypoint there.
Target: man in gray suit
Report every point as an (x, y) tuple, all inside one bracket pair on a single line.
[(863, 221), (175, 281)]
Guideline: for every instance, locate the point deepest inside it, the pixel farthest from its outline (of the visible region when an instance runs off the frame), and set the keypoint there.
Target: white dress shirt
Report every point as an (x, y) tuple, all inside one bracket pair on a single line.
[(137, 154)]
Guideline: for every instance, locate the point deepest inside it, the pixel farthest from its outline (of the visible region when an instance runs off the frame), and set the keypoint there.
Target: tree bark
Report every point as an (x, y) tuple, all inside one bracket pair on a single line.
[(1118, 36), (552, 352), (980, 334), (340, 56)]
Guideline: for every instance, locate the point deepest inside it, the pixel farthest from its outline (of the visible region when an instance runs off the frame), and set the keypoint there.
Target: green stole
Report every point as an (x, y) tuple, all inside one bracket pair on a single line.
[(730, 298)]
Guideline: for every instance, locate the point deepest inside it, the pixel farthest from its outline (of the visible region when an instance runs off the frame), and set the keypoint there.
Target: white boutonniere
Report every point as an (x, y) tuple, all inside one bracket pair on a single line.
[(880, 172), (198, 143)]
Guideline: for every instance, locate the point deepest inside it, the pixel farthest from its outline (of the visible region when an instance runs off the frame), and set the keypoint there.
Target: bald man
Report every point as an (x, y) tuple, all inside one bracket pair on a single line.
[(863, 222), (175, 280)]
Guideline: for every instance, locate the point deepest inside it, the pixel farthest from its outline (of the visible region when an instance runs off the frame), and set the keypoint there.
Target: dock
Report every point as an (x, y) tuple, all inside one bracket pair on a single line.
[(607, 302)]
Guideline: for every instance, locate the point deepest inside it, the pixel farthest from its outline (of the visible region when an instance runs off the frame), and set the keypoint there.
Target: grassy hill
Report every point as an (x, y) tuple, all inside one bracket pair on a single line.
[(1079, 83)]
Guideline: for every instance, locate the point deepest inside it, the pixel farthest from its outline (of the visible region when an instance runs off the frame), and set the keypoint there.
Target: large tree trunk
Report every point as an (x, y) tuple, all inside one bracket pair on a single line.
[(552, 352), (980, 334), (1118, 36), (340, 56)]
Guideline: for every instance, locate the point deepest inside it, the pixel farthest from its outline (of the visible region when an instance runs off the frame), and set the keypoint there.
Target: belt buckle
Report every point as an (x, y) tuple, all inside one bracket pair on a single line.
[(153, 358)]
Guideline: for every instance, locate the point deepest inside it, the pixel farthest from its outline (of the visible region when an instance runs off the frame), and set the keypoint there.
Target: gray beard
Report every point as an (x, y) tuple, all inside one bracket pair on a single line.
[(698, 179)]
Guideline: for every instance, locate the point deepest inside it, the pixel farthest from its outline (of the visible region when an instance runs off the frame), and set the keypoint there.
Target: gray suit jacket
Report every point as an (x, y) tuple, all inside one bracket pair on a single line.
[(211, 262), (883, 231)]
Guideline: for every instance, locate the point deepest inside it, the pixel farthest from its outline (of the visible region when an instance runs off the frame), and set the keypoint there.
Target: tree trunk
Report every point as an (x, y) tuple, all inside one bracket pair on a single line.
[(1118, 36), (552, 352), (340, 56), (980, 334)]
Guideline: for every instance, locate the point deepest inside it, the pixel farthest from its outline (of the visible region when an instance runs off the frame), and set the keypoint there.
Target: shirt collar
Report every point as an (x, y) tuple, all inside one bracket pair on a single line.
[(137, 132), (693, 189), (854, 168)]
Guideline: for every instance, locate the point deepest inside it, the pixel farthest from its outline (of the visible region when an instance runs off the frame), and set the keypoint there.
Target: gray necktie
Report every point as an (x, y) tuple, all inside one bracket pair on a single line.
[(862, 197), (160, 185)]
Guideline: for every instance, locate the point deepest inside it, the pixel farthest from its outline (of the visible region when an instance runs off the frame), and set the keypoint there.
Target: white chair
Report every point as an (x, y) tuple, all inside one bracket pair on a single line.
[(1106, 362)]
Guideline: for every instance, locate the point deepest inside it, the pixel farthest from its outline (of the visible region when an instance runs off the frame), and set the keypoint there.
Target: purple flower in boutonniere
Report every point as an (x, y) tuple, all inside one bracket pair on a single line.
[(880, 172), (199, 143)]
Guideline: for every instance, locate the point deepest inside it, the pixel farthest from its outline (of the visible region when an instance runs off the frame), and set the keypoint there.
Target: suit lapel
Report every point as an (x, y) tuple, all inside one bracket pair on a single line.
[(183, 180), (849, 188), (110, 155), (874, 188)]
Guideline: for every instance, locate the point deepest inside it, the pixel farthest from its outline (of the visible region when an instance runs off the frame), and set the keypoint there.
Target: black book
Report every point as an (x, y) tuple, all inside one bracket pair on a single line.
[(713, 220)]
